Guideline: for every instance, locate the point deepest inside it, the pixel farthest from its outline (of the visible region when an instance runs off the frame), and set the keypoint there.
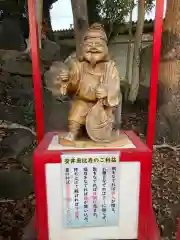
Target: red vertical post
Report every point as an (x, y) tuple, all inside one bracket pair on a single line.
[(34, 41), (158, 25), (178, 232)]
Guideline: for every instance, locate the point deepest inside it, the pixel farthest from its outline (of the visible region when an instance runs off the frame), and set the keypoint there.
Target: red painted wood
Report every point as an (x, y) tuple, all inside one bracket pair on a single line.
[(178, 232), (147, 227), (36, 70), (154, 72)]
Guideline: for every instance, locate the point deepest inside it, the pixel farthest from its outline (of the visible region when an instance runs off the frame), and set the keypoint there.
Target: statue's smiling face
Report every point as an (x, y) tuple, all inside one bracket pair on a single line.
[(95, 50)]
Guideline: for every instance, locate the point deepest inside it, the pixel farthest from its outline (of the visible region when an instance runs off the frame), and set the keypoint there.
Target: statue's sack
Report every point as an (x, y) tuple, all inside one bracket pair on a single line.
[(99, 124)]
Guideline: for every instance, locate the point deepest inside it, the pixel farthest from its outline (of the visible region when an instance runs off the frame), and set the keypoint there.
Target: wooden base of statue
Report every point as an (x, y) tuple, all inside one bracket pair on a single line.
[(84, 142), (94, 191)]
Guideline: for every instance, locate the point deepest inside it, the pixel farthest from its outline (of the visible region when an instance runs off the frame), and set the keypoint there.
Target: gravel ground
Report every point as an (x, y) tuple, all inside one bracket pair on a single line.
[(14, 215), (165, 176)]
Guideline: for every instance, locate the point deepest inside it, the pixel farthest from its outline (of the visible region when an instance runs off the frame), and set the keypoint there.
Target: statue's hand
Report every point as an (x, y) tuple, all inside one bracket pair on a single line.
[(63, 76), (101, 92), (63, 88), (62, 80)]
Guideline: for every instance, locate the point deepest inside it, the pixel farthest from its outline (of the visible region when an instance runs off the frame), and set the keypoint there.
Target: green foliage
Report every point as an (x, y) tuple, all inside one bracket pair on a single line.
[(29, 113), (12, 6), (149, 4), (114, 11), (19, 9), (93, 11)]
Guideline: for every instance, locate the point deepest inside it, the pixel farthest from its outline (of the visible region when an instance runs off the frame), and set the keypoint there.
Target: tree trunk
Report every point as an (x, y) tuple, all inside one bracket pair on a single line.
[(39, 11), (79, 9), (169, 76), (47, 17), (39, 4), (93, 15), (137, 45), (129, 59)]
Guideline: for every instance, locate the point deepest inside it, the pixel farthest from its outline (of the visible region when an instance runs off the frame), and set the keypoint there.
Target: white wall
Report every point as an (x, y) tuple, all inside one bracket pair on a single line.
[(118, 50)]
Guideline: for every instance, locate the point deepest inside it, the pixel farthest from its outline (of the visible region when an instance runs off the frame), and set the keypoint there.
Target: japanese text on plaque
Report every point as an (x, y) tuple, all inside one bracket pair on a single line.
[(90, 189)]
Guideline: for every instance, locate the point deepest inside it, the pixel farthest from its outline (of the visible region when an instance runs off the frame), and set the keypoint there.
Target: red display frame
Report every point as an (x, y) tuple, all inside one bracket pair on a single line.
[(147, 227), (178, 232), (151, 229), (158, 24)]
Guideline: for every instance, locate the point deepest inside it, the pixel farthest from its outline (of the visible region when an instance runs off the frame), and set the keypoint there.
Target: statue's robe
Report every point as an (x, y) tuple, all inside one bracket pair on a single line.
[(84, 84)]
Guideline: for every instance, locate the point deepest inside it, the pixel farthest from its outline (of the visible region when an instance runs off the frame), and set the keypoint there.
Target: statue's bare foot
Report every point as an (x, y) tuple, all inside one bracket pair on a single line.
[(67, 140), (70, 136)]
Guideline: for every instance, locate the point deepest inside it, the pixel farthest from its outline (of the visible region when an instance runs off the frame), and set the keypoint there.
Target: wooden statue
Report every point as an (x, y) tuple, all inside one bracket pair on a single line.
[(95, 83)]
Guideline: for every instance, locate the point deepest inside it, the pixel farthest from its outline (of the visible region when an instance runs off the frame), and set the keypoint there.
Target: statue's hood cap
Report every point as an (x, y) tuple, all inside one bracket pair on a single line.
[(96, 30)]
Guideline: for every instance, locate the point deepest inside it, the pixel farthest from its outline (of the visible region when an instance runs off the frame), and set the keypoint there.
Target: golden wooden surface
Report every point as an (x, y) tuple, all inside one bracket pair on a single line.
[(94, 81), (122, 140)]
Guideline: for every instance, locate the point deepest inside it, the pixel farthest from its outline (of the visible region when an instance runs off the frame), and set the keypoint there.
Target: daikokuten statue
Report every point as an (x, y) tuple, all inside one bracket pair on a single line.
[(95, 84)]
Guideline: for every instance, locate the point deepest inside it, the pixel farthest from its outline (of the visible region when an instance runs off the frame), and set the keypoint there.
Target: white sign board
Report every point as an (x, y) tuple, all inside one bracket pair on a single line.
[(128, 205), (90, 189)]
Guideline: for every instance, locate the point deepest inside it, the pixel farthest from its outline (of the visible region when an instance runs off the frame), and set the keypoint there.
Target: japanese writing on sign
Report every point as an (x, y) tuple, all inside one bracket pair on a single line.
[(90, 189), (70, 159)]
